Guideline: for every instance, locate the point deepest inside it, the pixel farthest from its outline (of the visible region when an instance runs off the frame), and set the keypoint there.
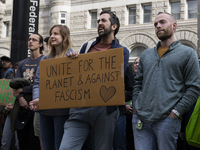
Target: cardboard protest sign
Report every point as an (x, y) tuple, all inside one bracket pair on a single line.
[(6, 91), (92, 79)]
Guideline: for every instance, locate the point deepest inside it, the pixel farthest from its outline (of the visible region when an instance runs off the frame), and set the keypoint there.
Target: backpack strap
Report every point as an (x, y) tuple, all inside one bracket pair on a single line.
[(88, 46)]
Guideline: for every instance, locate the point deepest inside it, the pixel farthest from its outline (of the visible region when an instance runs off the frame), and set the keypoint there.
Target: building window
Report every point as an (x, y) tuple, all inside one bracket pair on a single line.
[(93, 15), (137, 51), (3, 1), (175, 10), (108, 9), (5, 31), (132, 15), (192, 9), (63, 18), (147, 13)]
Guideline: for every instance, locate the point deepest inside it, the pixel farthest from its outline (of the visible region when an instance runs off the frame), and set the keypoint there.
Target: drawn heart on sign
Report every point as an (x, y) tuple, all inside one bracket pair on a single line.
[(107, 94)]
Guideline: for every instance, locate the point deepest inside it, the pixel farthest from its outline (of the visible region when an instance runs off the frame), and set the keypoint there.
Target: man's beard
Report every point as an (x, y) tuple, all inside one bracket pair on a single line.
[(105, 33), (166, 35)]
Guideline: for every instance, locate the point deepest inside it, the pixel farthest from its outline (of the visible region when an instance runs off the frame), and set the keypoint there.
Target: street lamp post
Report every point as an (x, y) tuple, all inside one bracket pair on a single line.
[(24, 22)]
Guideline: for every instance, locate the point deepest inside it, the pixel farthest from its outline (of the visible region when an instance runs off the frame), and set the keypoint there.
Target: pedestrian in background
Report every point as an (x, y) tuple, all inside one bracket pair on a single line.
[(129, 79)]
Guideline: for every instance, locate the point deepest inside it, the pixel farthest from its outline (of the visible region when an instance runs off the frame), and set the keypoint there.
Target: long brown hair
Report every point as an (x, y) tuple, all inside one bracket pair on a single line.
[(66, 43)]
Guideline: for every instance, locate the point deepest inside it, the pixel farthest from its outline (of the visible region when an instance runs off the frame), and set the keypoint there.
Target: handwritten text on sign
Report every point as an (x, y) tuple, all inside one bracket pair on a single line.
[(93, 79), (6, 94)]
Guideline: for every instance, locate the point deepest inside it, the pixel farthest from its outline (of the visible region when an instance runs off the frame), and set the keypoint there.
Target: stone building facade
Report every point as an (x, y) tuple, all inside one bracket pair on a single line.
[(136, 17)]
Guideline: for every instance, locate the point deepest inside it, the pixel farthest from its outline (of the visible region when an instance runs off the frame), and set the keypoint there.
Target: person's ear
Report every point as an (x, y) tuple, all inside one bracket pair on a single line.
[(174, 26), (41, 44), (114, 26)]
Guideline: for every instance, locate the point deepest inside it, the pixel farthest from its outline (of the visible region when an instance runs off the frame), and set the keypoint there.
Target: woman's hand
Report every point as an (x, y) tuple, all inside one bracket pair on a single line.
[(73, 54), (34, 104)]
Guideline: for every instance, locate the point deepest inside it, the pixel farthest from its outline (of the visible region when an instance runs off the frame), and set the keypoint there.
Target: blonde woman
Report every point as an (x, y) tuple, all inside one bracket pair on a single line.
[(52, 121)]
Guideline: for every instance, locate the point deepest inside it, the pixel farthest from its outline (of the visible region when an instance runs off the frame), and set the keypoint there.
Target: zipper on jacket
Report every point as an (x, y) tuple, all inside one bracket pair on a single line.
[(158, 62)]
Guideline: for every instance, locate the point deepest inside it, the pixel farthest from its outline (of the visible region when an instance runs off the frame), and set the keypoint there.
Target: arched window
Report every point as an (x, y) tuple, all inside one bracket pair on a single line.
[(136, 52), (188, 43)]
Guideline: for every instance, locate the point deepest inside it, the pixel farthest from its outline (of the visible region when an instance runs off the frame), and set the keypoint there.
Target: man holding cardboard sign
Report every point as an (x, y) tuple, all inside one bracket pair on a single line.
[(100, 119)]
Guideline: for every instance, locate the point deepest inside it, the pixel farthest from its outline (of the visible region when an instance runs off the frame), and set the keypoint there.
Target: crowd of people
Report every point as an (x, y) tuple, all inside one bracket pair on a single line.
[(160, 86)]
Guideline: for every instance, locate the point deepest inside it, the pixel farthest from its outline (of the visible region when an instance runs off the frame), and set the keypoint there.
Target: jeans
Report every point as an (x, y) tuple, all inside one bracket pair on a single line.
[(161, 135), (8, 136), (82, 121), (51, 130), (119, 140)]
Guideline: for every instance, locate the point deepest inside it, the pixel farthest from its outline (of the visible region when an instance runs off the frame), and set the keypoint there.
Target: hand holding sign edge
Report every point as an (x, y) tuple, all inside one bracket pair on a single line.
[(73, 54), (34, 104)]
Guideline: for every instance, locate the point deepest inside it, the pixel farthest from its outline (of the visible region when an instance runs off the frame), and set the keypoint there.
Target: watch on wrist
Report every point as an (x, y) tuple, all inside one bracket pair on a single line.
[(176, 112)]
